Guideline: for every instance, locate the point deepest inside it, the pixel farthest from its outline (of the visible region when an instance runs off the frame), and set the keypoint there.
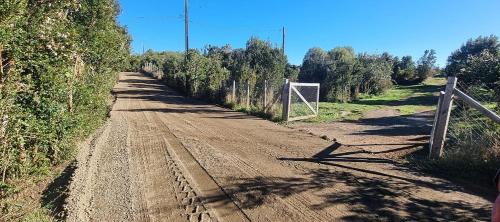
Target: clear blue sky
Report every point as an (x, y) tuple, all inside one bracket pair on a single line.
[(400, 27)]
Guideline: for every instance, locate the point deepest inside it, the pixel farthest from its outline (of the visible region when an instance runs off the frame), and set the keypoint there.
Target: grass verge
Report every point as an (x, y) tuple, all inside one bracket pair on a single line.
[(406, 100)]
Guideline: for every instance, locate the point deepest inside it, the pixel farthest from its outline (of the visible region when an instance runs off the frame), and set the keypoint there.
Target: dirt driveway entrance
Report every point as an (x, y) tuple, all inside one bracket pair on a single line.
[(164, 157)]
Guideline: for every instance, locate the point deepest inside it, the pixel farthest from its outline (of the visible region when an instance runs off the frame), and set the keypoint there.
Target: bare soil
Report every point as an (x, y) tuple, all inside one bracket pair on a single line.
[(383, 132), (163, 157)]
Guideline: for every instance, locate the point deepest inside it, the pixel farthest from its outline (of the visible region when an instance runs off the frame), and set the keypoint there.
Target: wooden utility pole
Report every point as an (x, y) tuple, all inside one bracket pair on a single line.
[(283, 41), (186, 28)]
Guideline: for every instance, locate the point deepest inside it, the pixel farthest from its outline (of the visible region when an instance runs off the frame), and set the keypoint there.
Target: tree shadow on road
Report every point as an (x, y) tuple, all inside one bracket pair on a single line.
[(368, 198), (408, 125), (369, 193)]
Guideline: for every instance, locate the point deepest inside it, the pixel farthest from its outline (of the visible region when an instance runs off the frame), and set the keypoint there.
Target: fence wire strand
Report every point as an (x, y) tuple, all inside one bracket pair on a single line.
[(470, 133)]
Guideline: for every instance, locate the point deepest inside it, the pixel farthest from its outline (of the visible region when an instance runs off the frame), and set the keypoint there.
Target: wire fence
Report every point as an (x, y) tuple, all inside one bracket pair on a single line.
[(471, 135), (257, 98), (153, 69)]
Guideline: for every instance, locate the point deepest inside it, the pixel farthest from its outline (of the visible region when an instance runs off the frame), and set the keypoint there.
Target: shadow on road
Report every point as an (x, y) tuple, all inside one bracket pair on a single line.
[(369, 198), (371, 193), (372, 196)]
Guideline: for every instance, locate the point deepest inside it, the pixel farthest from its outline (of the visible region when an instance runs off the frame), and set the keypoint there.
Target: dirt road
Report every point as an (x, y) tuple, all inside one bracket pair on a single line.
[(163, 157)]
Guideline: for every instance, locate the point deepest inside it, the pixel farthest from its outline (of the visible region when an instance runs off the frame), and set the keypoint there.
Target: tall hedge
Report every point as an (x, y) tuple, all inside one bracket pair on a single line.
[(59, 60), (204, 74)]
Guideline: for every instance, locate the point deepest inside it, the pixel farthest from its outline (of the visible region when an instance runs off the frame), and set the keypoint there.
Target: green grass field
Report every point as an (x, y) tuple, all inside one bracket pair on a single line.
[(406, 100)]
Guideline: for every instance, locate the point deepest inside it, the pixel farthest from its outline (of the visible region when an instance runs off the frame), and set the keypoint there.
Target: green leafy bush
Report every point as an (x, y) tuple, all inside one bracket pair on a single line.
[(59, 61)]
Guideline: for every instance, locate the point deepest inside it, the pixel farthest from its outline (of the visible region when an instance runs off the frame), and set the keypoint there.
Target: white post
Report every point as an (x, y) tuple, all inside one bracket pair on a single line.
[(233, 96), (285, 100), (265, 95), (248, 94)]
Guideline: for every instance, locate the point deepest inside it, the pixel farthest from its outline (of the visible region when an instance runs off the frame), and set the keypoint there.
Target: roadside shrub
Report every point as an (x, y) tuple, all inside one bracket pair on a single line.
[(57, 66), (208, 74), (344, 75)]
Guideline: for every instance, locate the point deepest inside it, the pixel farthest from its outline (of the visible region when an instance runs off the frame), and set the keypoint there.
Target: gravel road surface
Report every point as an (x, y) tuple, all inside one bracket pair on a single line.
[(162, 157)]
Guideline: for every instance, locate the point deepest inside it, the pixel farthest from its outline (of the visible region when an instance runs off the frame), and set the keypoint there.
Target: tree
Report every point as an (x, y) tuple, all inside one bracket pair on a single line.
[(372, 74), (404, 71), (476, 62), (426, 65), (292, 72), (314, 66), (339, 79)]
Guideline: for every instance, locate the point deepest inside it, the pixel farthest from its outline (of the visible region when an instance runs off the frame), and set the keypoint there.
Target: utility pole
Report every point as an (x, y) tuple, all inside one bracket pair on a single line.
[(142, 48), (186, 24), (283, 41)]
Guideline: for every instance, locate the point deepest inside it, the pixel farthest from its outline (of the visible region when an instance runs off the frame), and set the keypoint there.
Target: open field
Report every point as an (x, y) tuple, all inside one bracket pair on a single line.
[(405, 100)]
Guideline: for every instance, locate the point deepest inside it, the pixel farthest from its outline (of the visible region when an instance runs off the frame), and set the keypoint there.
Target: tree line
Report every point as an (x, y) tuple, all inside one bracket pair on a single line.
[(476, 64), (207, 73), (58, 63), (345, 75)]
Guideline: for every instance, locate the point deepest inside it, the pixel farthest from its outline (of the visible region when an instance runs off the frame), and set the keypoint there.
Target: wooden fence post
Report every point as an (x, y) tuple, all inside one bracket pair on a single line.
[(265, 95), (443, 116), (285, 100), (436, 118)]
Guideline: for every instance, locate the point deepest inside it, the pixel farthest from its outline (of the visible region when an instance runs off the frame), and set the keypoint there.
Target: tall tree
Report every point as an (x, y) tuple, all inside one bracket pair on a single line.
[(426, 65), (476, 62), (314, 66), (339, 79), (404, 71)]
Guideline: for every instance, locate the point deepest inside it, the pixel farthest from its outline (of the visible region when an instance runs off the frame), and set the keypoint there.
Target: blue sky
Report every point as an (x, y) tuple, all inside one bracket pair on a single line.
[(400, 27)]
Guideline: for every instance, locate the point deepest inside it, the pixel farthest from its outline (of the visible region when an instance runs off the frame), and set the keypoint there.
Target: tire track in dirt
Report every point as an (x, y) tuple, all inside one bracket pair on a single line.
[(205, 132), (189, 200), (197, 162), (218, 140)]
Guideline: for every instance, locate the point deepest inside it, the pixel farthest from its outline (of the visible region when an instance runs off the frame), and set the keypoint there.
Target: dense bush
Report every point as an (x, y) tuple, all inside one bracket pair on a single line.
[(404, 70), (208, 74), (477, 63), (58, 63), (344, 75)]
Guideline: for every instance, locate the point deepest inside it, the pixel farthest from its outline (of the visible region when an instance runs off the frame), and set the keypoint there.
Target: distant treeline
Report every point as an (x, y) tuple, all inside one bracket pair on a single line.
[(203, 74), (58, 63), (343, 74)]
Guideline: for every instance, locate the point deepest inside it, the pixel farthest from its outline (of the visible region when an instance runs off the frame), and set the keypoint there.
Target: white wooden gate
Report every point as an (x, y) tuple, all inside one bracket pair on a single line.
[(300, 100)]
